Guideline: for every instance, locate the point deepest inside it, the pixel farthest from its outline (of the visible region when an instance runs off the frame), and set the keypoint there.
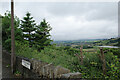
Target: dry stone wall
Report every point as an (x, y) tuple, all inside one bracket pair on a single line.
[(48, 70), (40, 69)]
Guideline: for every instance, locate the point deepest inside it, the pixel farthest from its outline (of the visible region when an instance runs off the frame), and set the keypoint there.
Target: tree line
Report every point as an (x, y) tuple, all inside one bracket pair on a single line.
[(26, 31)]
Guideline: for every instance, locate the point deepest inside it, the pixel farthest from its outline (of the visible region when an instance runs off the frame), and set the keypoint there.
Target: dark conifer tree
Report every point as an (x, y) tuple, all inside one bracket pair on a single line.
[(28, 28), (42, 35)]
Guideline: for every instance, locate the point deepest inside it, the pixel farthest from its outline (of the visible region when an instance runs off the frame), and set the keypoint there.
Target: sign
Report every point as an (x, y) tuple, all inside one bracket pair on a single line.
[(26, 64)]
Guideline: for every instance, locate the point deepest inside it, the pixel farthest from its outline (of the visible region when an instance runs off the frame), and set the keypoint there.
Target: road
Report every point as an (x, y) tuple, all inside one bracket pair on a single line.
[(5, 69), (0, 62), (0, 68)]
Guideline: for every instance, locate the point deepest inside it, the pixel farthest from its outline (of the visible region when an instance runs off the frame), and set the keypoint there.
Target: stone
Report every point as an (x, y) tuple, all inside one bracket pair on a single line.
[(71, 75), (48, 70), (41, 71), (58, 71)]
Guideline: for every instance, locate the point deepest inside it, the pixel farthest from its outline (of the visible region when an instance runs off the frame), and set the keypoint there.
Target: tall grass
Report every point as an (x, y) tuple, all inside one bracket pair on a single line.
[(92, 65)]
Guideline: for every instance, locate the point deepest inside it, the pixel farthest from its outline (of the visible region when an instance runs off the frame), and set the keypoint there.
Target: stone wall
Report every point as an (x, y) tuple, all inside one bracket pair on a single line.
[(40, 69)]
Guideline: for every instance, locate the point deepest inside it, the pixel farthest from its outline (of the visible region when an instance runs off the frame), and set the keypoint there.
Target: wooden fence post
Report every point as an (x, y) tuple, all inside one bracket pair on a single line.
[(103, 61), (81, 54)]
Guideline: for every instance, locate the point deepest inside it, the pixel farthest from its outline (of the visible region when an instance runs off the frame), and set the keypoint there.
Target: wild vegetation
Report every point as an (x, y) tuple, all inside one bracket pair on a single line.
[(27, 32), (33, 41)]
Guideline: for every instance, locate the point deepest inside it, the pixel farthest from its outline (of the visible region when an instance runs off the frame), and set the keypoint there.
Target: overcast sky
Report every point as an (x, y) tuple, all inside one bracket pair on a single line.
[(72, 20)]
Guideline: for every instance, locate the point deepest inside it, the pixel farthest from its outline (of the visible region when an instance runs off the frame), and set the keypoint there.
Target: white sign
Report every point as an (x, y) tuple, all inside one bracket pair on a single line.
[(26, 64)]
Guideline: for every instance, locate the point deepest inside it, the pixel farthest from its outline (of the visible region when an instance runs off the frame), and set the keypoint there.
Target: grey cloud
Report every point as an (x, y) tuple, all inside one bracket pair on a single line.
[(107, 11), (4, 6), (71, 21), (92, 10)]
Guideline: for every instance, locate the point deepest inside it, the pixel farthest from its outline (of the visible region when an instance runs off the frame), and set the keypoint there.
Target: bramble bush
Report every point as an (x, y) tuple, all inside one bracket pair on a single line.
[(113, 71), (92, 65)]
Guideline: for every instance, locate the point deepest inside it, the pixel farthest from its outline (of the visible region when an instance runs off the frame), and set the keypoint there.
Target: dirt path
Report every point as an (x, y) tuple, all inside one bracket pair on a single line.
[(0, 62), (6, 68)]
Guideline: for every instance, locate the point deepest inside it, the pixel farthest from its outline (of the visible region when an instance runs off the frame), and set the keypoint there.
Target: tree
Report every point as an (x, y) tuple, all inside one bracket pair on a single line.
[(42, 35), (6, 30), (28, 28)]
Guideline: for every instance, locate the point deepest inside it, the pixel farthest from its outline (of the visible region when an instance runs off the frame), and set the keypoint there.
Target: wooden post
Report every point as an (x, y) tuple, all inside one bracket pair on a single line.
[(81, 54), (77, 56), (12, 38), (103, 61)]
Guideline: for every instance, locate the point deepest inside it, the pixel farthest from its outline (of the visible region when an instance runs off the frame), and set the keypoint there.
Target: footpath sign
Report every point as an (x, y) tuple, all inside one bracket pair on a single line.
[(26, 64)]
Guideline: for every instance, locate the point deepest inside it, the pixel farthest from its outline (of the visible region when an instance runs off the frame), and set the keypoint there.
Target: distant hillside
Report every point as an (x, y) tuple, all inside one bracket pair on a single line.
[(76, 41), (110, 42), (89, 42)]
